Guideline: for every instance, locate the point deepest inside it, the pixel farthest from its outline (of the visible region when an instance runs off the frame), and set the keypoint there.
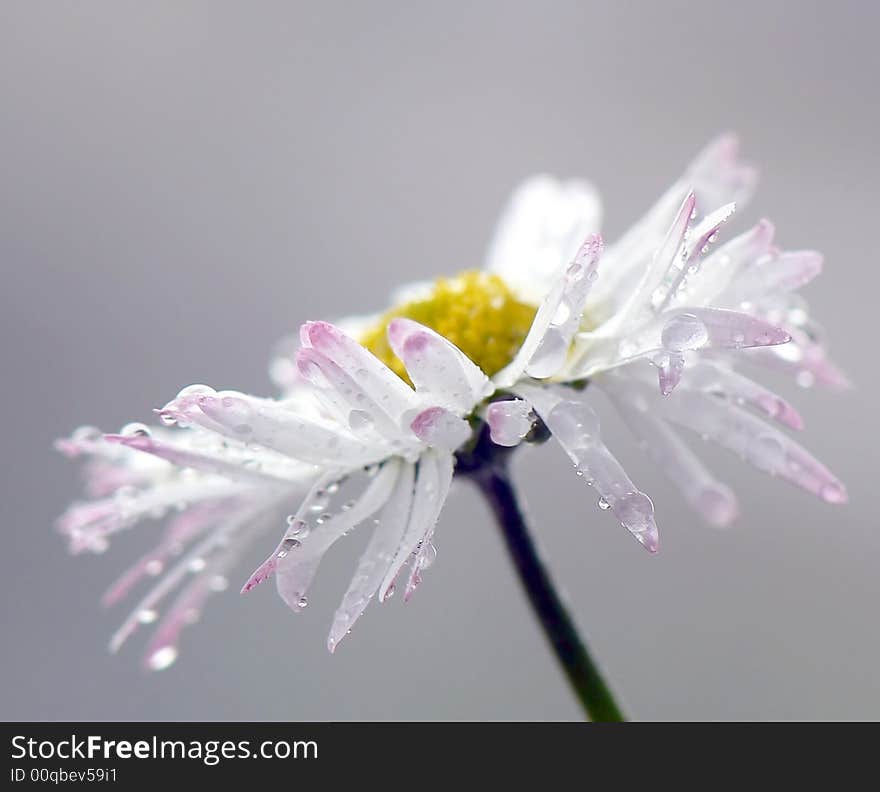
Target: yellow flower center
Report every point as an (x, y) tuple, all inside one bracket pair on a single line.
[(474, 310)]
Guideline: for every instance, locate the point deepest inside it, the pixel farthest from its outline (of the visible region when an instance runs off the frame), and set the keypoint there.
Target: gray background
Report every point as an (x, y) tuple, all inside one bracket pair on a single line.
[(182, 183)]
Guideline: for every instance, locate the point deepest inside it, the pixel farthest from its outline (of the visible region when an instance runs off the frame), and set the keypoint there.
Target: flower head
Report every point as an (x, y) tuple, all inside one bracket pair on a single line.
[(376, 410)]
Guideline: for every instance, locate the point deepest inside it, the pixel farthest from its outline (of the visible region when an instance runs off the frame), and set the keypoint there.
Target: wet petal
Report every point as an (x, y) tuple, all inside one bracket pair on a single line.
[(440, 371), (376, 559), (714, 378), (376, 380), (433, 478), (267, 423), (703, 492), (546, 346), (222, 459), (575, 426), (757, 442), (440, 428)]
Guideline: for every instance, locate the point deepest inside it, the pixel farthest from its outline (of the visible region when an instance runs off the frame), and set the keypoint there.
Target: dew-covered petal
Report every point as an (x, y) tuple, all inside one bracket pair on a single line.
[(686, 262), (662, 260), (540, 230), (716, 177), (210, 577), (364, 412), (378, 381), (713, 378), (433, 478), (546, 345), (88, 526), (721, 328), (804, 360), (757, 442), (425, 552), (180, 531), (509, 421), (559, 316), (440, 371), (376, 559), (575, 426), (704, 493), (726, 263), (193, 562), (267, 423), (296, 569), (232, 461), (774, 274), (440, 428), (162, 648)]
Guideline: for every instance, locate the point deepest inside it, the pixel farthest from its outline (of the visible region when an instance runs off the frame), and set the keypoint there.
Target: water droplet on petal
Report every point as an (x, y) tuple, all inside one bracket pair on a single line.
[(684, 331), (147, 616), (603, 504), (636, 511), (135, 430), (162, 658), (153, 567), (767, 453), (428, 556), (805, 379), (359, 419), (196, 390)]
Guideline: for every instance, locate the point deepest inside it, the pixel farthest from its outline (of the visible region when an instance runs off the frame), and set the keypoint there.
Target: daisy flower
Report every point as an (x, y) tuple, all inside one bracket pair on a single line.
[(377, 413)]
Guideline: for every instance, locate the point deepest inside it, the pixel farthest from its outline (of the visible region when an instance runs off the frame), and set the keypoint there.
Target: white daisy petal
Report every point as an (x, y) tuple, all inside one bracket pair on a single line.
[(377, 558), (433, 477), (269, 424), (714, 378), (298, 556), (439, 370), (727, 263), (757, 442), (575, 426), (372, 376), (774, 274), (705, 494), (364, 412), (232, 460), (545, 348)]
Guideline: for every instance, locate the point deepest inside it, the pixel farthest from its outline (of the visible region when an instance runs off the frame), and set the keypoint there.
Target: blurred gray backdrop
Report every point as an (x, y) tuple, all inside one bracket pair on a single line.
[(183, 183)]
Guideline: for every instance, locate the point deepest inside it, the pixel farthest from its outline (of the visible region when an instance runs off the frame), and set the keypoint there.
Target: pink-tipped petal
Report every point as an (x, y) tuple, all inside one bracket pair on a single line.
[(372, 376), (437, 368), (438, 427), (719, 176), (509, 421)]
